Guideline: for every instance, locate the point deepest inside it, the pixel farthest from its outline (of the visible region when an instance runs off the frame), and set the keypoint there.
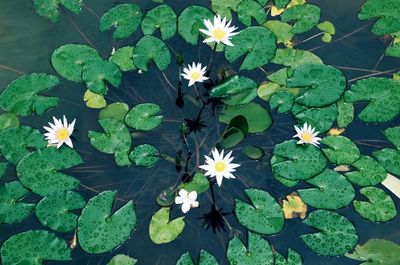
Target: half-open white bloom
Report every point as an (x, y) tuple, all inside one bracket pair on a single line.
[(219, 166), (194, 73), (59, 132), (219, 31), (307, 135), (187, 199)]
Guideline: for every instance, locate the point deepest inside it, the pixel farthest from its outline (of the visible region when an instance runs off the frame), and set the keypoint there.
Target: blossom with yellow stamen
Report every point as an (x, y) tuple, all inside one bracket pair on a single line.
[(307, 135), (59, 132), (219, 31), (194, 73)]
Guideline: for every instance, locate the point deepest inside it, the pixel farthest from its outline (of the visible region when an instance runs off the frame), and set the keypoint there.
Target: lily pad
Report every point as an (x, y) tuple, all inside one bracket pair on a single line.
[(235, 132), (99, 230), (322, 119), (50, 9), (224, 7), (145, 155), (393, 135), (369, 172), (96, 72), (258, 252), (281, 3), (162, 230), (144, 117), (258, 44), (199, 183), (33, 247), (125, 18), (293, 258), (150, 48), (8, 120), (332, 191), (93, 100), (123, 58), (253, 152), (22, 96), (191, 20), (293, 206), (336, 237), (282, 101), (345, 113), (39, 170), (305, 16), (116, 111), (376, 252), (281, 30), (297, 162), (389, 159), (380, 207), (251, 9), (167, 197), (205, 258), (235, 90), (264, 216), (12, 210), (295, 58), (341, 150), (382, 95), (55, 210), (121, 259), (161, 17)]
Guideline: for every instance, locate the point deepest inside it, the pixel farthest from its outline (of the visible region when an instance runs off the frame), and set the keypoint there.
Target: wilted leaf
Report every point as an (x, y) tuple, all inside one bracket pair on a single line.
[(294, 207)]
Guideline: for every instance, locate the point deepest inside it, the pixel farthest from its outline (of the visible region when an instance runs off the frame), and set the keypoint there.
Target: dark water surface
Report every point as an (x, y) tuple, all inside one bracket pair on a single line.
[(26, 44)]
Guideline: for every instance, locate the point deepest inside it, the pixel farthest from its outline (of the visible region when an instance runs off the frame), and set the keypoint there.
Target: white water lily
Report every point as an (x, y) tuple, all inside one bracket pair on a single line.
[(219, 31), (307, 135), (194, 73), (187, 199), (59, 132), (219, 166)]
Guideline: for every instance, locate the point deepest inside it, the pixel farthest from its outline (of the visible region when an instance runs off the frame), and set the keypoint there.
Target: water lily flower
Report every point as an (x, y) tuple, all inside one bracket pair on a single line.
[(307, 135), (59, 132), (220, 31), (194, 73), (219, 166), (187, 199)]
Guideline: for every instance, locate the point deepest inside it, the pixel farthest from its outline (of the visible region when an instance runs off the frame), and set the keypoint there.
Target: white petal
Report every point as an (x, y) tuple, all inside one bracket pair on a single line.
[(219, 180), (193, 195), (227, 42), (195, 204), (178, 200), (185, 207), (69, 143), (183, 193)]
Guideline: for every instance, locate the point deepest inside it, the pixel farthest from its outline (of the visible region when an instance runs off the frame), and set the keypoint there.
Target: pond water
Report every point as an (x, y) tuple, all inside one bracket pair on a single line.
[(26, 44)]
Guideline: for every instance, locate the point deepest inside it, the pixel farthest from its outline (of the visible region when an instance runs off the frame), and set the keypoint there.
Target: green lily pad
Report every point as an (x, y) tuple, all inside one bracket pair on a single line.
[(68, 60), (257, 44), (258, 252), (15, 141), (12, 210), (199, 183), (145, 155), (39, 170), (191, 20), (257, 117), (393, 135), (336, 237), (369, 172), (341, 150), (327, 27), (144, 117), (121, 259), (382, 95), (297, 162), (322, 119), (376, 252), (393, 50), (162, 230), (305, 16), (116, 111), (281, 3), (125, 18), (293, 258), (281, 30), (55, 210), (99, 230), (50, 9), (235, 132), (332, 191), (8, 120), (295, 58), (345, 113), (22, 96), (253, 152), (380, 207), (161, 17), (123, 58), (167, 197), (389, 159), (33, 247), (224, 7), (282, 101), (93, 100), (235, 90), (150, 48), (264, 216), (205, 258), (97, 71), (251, 9), (3, 169)]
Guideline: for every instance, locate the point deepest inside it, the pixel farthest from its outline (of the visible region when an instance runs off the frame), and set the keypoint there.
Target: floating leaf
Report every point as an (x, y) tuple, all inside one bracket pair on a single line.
[(33, 247), (345, 113), (235, 90), (199, 183), (39, 170), (100, 231), (295, 58), (393, 135), (145, 155), (121, 259), (191, 20), (22, 96), (332, 191), (293, 258), (281, 3), (55, 210), (93, 100), (123, 58), (96, 72), (383, 96), (8, 120), (50, 9), (282, 100), (341, 150), (264, 216), (327, 27), (376, 252), (297, 162), (394, 49), (12, 210), (162, 230), (322, 119), (15, 141), (144, 117), (294, 207), (248, 9), (224, 7), (389, 159), (205, 258), (116, 111), (258, 252), (253, 152), (380, 207), (258, 44), (148, 49), (369, 172), (336, 237), (306, 17), (125, 18), (3, 169), (167, 197), (281, 30), (161, 17), (235, 132)]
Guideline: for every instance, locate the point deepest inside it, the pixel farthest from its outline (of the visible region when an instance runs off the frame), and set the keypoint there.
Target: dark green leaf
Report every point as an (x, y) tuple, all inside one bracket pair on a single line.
[(393, 135), (161, 17), (191, 20), (248, 9), (144, 155), (369, 172), (144, 117), (149, 49), (123, 58), (235, 90), (116, 111), (125, 18), (50, 9), (224, 7), (8, 120), (293, 258), (389, 159), (305, 16), (341, 150), (97, 71), (322, 119), (205, 258), (345, 113), (282, 100), (253, 152)]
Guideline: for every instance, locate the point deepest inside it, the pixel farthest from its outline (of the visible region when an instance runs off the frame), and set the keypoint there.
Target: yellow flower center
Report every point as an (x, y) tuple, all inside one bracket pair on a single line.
[(62, 134), (220, 166), (306, 137), (219, 34), (195, 75)]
